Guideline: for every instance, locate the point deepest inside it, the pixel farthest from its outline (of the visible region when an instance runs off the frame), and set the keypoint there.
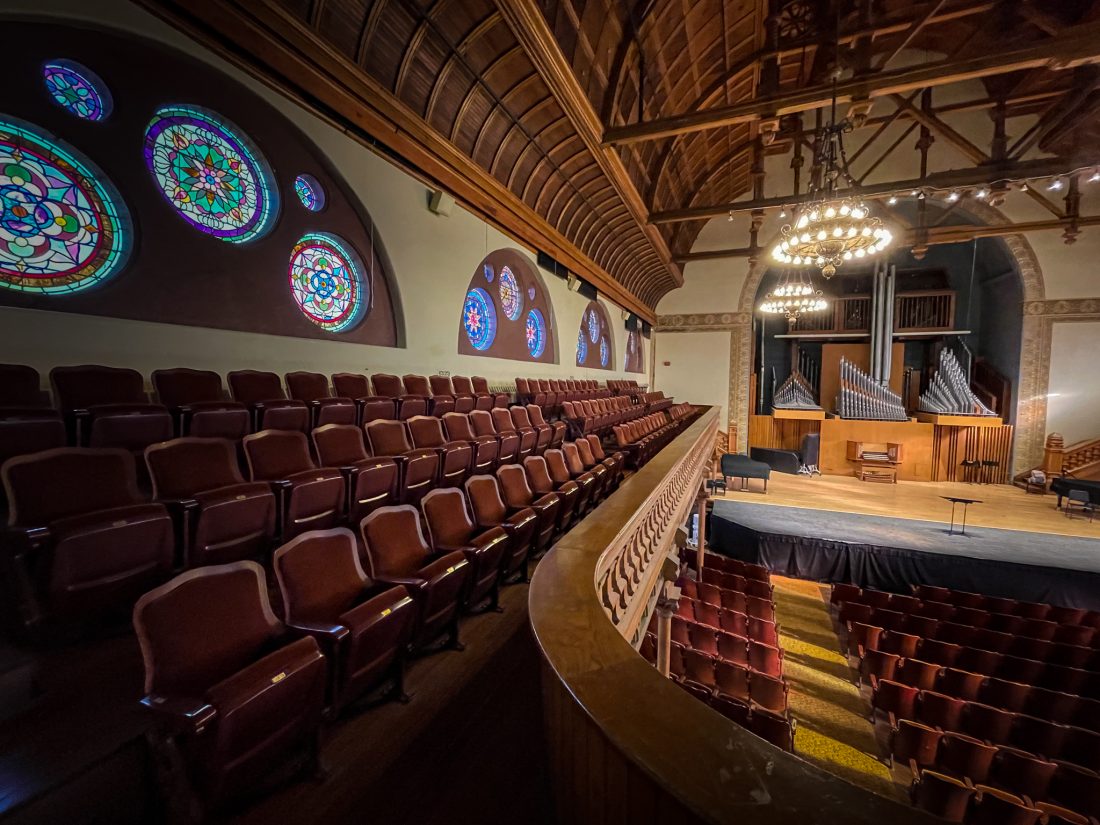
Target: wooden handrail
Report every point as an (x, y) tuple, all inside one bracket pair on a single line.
[(625, 743)]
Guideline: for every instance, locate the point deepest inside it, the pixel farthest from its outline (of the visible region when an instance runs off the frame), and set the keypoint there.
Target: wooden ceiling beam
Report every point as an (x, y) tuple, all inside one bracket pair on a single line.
[(1079, 45), (969, 150), (952, 179), (529, 26), (265, 39)]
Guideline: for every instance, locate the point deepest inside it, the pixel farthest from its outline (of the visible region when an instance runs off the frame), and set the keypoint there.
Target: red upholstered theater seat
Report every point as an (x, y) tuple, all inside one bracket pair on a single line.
[(942, 796), (80, 538), (229, 695), (312, 389), (521, 420), (419, 467), (198, 404), (521, 526), (557, 428), (486, 448), (263, 394), (219, 517), (567, 493), (560, 472), (370, 481), (390, 386), (439, 404), (450, 528), (371, 407), (108, 407), (308, 498), (442, 386), (528, 437), (362, 628), (508, 441), (28, 424), (518, 496), (455, 457), (483, 399), (398, 553), (481, 387)]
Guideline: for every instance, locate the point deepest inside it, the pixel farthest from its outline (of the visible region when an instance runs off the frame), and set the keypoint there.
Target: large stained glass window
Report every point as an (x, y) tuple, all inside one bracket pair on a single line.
[(511, 299), (77, 89), (582, 348), (479, 318), (593, 326), (605, 352), (326, 282), (63, 227), (536, 333), (211, 173), (310, 192)]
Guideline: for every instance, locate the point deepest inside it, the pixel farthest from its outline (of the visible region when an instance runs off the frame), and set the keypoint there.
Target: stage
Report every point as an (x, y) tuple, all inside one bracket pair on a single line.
[(879, 549)]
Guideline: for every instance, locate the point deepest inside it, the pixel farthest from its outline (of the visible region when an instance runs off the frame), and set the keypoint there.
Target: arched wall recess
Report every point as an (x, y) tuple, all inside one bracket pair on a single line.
[(595, 339)]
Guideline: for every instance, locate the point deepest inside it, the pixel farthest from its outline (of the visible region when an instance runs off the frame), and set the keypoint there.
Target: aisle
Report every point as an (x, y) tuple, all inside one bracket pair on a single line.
[(833, 730)]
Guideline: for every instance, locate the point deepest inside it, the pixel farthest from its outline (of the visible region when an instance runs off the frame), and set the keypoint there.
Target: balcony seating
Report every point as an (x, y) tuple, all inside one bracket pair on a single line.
[(614, 462), (481, 387), (439, 404), (363, 629), (197, 402), (263, 394), (230, 695), (567, 493), (108, 407), (486, 448), (419, 467), (370, 481), (28, 424), (389, 386), (450, 528), (518, 496), (521, 526), (942, 795), (455, 457), (510, 441), (560, 472), (521, 420), (483, 399), (526, 395), (557, 428), (219, 517), (371, 407), (312, 389), (603, 471), (308, 498), (578, 471), (528, 436), (398, 554), (442, 386), (80, 539)]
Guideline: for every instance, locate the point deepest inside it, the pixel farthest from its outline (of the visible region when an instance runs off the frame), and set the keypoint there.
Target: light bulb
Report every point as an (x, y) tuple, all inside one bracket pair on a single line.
[(1095, 177), (830, 212), (892, 200), (982, 194), (821, 234), (782, 213), (1023, 186), (952, 197), (1055, 185)]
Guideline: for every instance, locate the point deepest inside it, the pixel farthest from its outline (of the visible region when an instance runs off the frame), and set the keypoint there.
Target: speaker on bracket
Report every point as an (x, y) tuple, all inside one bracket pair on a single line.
[(440, 202), (632, 322), (647, 329)]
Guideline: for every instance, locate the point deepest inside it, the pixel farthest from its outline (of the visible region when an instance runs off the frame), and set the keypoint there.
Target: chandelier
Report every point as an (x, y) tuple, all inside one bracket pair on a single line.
[(794, 295), (828, 229)]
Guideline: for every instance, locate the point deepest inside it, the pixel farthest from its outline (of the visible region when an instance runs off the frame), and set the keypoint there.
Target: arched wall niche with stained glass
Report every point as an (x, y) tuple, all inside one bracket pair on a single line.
[(506, 311), (634, 357), (595, 339), (199, 172)]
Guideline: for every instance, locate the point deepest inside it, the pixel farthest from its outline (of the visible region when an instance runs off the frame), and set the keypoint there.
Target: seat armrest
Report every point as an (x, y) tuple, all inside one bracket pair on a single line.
[(489, 537), (179, 714), (413, 584), (18, 540), (327, 636), (892, 720)]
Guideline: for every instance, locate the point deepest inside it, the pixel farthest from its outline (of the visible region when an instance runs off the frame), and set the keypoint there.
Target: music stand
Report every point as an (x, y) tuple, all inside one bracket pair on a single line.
[(965, 502)]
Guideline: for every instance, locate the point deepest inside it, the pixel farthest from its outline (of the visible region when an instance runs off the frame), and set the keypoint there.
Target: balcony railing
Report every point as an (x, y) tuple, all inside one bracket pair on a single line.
[(925, 310), (625, 743)]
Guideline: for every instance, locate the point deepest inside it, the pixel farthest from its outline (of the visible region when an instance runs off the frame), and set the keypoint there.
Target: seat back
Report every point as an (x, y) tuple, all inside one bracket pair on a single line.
[(556, 466), (203, 626), (319, 575), (483, 423), (307, 386), (67, 481), (350, 384), (441, 385), (519, 416), (513, 485), (584, 450), (182, 386), (253, 386), (484, 495), (276, 454), (426, 431), (387, 437), (535, 416), (462, 385), (388, 385), (502, 420), (394, 541), (447, 517), (182, 467), (416, 385), (458, 426), (77, 388), (480, 384), (572, 458), (20, 386), (339, 445), (538, 475)]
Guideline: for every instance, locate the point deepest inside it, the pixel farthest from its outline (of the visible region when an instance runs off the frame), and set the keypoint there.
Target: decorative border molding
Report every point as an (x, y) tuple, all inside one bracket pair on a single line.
[(1088, 308), (703, 322)]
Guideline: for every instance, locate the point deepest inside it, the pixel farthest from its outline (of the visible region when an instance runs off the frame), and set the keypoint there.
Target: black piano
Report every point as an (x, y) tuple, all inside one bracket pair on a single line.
[(1062, 486)]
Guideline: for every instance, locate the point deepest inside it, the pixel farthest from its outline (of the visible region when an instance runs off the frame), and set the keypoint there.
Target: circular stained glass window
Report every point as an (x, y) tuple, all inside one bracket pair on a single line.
[(605, 352), (536, 333), (77, 89), (326, 282), (211, 173), (309, 192), (593, 326), (479, 319), (63, 227), (511, 299), (582, 349)]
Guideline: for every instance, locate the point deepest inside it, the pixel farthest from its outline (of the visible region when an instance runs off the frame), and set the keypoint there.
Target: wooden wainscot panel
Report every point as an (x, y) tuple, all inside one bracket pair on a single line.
[(776, 433), (916, 438)]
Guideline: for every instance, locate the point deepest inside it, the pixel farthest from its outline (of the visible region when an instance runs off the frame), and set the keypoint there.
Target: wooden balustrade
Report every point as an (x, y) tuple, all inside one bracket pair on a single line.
[(917, 311), (1078, 459), (626, 744)]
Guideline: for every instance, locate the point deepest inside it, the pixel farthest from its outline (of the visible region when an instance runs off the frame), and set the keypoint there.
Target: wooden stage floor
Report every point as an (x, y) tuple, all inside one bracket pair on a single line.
[(1003, 505)]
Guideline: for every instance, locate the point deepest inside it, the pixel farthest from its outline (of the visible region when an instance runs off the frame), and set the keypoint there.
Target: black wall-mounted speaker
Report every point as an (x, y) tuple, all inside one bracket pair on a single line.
[(647, 329), (632, 322)]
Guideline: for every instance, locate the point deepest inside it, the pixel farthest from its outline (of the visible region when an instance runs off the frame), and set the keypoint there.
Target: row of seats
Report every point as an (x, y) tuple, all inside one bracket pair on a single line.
[(643, 438), (625, 387), (960, 800), (551, 393)]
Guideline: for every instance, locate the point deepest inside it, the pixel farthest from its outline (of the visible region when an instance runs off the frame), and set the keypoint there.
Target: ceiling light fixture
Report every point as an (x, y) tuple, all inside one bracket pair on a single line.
[(982, 194), (1055, 185), (892, 200), (1095, 176), (952, 197), (793, 295)]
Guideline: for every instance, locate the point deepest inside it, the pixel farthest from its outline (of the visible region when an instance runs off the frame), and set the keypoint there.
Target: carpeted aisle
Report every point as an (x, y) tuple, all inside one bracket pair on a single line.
[(833, 730)]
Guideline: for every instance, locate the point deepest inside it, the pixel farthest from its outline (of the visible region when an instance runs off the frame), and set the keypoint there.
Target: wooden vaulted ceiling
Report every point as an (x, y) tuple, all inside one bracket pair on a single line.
[(509, 103)]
